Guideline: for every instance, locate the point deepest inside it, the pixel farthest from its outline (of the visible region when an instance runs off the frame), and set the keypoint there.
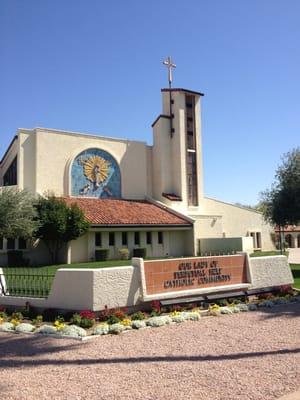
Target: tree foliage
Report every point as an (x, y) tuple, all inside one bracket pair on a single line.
[(59, 224), (18, 216), (281, 204)]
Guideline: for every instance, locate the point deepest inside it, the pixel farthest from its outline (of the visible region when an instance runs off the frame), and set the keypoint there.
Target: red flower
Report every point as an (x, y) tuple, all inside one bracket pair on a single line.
[(87, 314), (155, 305)]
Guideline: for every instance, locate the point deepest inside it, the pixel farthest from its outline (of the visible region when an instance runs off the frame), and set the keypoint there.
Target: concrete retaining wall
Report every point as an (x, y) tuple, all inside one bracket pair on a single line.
[(87, 289), (93, 289), (269, 271)]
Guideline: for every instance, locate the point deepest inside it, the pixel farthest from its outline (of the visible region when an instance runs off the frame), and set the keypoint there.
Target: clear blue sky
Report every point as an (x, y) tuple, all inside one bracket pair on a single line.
[(96, 66)]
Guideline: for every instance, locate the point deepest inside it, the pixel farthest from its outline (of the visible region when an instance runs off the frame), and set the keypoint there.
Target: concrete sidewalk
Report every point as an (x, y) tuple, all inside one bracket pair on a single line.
[(294, 258), (291, 396)]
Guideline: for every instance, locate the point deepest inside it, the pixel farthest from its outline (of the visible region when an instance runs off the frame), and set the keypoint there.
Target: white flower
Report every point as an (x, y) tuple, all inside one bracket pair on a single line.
[(226, 310), (73, 331), (101, 329), (281, 300), (252, 307), (235, 309), (138, 324), (159, 321), (266, 303), (46, 329), (116, 328), (193, 316), (242, 307), (7, 327), (178, 318), (24, 328)]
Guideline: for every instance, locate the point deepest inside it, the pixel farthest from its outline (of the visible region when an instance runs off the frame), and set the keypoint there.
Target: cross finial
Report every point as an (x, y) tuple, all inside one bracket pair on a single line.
[(168, 62)]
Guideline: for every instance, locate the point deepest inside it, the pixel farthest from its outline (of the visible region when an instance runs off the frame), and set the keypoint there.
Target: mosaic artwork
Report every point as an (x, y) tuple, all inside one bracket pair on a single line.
[(95, 173)]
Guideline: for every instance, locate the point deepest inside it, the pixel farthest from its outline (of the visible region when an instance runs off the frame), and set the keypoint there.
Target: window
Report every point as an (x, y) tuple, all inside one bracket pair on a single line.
[(124, 239), (11, 244), (111, 238), (160, 238), (10, 176), (137, 238), (258, 240), (22, 244), (1, 243), (256, 237), (98, 239), (192, 179), (149, 237)]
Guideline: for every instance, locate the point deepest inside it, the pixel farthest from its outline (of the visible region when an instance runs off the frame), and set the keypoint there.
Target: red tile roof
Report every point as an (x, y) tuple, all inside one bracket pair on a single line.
[(126, 212)]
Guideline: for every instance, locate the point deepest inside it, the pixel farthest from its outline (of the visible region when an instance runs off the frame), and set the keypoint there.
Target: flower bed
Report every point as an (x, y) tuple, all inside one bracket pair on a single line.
[(87, 324)]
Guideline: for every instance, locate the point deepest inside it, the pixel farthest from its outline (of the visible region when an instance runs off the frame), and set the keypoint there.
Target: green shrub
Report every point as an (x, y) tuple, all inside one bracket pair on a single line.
[(101, 255), (113, 319), (76, 319), (86, 322), (15, 259), (17, 316), (138, 316), (139, 252), (124, 254), (38, 320)]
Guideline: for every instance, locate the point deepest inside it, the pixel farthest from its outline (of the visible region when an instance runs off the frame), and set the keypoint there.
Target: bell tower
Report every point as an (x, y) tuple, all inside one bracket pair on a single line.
[(177, 153)]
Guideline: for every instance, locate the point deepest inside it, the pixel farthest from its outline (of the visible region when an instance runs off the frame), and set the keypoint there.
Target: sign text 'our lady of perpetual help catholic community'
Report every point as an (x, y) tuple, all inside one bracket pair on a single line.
[(194, 273), (201, 272)]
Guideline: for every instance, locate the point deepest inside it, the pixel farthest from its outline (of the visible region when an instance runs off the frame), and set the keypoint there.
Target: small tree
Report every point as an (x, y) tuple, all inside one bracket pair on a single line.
[(59, 224), (281, 205), (18, 216)]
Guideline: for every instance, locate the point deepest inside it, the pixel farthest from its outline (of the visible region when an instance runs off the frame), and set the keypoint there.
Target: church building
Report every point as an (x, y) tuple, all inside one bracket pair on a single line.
[(133, 194)]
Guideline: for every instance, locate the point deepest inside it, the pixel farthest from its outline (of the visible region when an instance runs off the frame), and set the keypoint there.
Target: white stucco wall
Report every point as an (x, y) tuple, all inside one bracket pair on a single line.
[(87, 289), (46, 157), (269, 271), (235, 221)]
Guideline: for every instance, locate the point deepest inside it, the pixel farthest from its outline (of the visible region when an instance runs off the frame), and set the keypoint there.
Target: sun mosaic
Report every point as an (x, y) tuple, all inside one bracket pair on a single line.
[(95, 173)]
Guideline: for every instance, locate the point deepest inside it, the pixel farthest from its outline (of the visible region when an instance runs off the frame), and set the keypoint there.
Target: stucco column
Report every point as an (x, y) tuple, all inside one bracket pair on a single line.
[(69, 254), (294, 240)]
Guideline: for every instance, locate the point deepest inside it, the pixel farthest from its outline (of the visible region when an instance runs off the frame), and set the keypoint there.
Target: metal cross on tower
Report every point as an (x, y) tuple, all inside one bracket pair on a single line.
[(168, 62), (170, 65)]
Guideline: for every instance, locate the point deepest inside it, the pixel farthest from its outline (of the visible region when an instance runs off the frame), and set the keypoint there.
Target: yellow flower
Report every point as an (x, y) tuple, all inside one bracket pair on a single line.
[(126, 322), (1, 320), (174, 313), (214, 307), (15, 322), (59, 325)]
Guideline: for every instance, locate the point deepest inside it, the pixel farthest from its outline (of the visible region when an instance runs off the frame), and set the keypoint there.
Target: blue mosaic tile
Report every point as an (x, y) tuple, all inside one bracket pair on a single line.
[(95, 173)]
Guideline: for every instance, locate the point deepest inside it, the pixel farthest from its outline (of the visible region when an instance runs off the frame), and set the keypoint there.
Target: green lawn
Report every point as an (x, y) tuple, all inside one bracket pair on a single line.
[(296, 274), (267, 253)]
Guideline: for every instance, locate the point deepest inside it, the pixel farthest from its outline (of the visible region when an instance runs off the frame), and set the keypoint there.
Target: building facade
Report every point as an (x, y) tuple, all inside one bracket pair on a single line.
[(140, 195)]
